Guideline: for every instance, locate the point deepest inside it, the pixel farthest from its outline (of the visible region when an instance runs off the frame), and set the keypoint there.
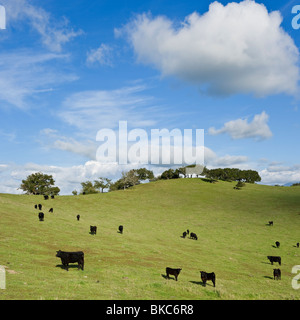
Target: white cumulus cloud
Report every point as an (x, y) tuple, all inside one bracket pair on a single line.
[(237, 48), (241, 128)]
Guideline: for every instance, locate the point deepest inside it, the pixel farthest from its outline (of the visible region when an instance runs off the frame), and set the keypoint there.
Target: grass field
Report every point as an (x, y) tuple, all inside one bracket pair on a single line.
[(234, 241)]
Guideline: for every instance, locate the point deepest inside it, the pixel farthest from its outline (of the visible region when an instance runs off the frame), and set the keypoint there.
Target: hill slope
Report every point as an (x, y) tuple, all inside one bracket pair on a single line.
[(233, 241)]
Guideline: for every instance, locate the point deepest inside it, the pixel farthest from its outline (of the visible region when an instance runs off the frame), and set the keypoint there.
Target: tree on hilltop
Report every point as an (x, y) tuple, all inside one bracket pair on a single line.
[(88, 188), (39, 184), (102, 183)]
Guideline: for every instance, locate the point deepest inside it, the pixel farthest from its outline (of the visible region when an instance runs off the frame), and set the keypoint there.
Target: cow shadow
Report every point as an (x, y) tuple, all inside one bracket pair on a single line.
[(268, 277), (71, 266), (165, 277), (92, 233), (198, 283), (202, 283)]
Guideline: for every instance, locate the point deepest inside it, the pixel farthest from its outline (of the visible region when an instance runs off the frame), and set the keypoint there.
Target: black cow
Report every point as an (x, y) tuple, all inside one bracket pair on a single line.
[(93, 229), (78, 217), (52, 197), (277, 244), (270, 223), (121, 229), (297, 244), (274, 259), (46, 197), (173, 272), (277, 274), (71, 257), (51, 210), (40, 206), (208, 276), (184, 234), (35, 206), (187, 231), (41, 216), (193, 236)]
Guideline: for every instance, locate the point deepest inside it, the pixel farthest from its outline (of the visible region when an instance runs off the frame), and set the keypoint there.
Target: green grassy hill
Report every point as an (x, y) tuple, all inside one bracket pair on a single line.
[(234, 241)]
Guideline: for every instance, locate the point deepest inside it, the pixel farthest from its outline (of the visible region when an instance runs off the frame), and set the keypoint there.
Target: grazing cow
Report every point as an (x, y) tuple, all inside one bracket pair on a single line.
[(93, 229), (193, 236), (274, 259), (41, 216), (52, 197), (46, 197), (208, 276), (40, 206), (71, 257), (187, 231), (270, 223), (277, 244), (184, 234), (173, 272), (51, 210), (297, 244), (35, 206), (78, 217), (277, 274), (121, 229)]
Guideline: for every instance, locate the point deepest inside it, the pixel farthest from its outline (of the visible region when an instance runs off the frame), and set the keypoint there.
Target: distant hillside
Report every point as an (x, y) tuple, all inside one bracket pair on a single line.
[(234, 240)]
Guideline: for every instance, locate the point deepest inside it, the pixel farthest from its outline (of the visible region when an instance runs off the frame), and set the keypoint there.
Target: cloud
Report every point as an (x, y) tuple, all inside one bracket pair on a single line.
[(54, 34), (91, 111), (237, 48), (228, 161), (241, 128), (52, 139), (102, 56), (280, 174), (24, 74)]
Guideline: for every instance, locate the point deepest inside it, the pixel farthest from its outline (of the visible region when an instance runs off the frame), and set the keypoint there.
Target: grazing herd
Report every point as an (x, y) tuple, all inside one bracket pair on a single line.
[(192, 234), (40, 207), (78, 256), (65, 256), (273, 259), (211, 276)]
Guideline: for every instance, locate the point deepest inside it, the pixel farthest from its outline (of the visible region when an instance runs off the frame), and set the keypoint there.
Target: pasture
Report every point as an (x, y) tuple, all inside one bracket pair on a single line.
[(234, 240)]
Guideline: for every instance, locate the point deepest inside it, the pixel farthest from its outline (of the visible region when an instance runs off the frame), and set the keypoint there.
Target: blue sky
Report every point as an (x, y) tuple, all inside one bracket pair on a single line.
[(71, 68)]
